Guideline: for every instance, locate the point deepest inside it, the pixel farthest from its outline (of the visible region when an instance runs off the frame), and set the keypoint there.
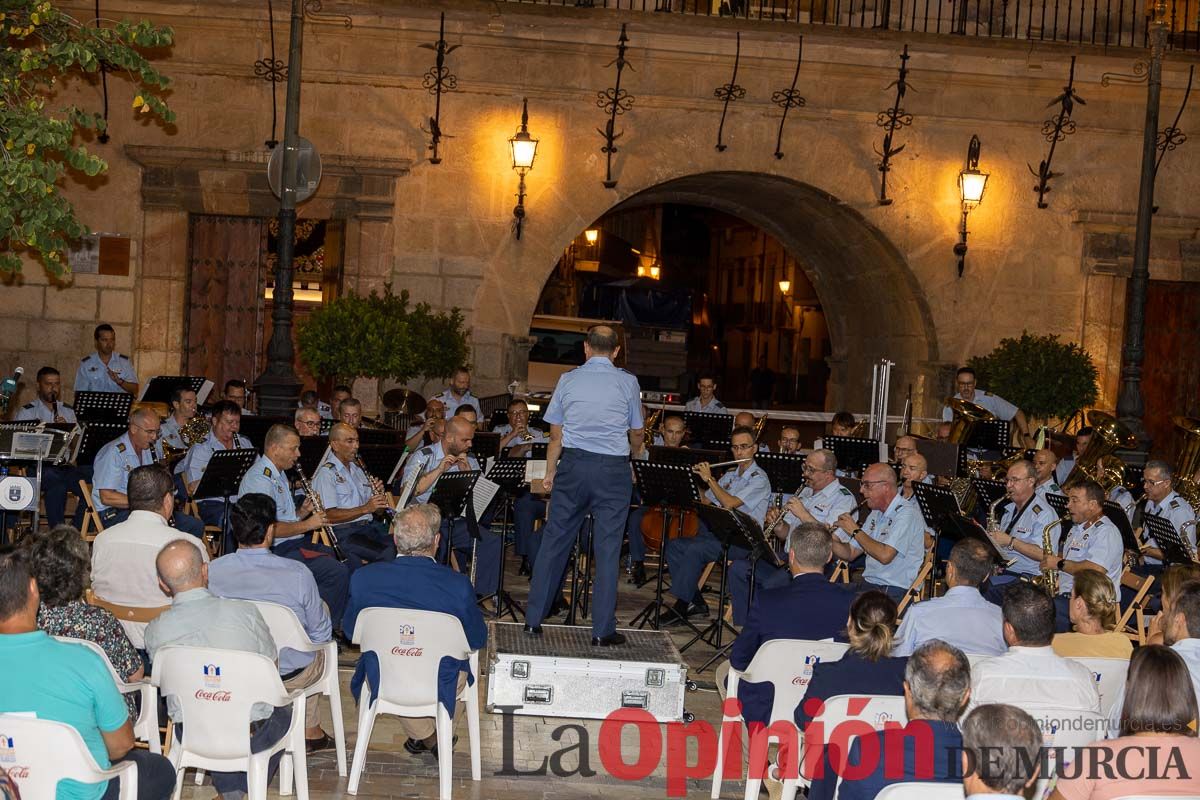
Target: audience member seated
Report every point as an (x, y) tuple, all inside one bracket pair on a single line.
[(808, 607), (1174, 577), (59, 561), (1157, 753), (67, 683), (867, 667), (937, 683), (415, 580), (1031, 676), (962, 617), (1094, 612), (197, 618), (253, 572), (123, 555), (1001, 745)]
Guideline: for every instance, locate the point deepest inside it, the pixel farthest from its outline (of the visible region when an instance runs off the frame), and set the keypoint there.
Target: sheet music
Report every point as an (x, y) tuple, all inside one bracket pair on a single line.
[(535, 470), (399, 465), (483, 494), (205, 389)]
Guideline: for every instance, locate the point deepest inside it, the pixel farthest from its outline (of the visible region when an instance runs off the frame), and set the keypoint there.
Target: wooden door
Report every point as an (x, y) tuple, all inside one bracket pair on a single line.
[(1171, 372), (224, 297)]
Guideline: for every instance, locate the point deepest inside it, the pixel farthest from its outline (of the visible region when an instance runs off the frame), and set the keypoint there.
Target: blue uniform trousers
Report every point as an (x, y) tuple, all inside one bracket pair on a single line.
[(585, 482), (57, 482), (687, 558), (366, 540), (766, 576), (633, 529), (527, 508), (487, 553), (332, 576), (895, 592)]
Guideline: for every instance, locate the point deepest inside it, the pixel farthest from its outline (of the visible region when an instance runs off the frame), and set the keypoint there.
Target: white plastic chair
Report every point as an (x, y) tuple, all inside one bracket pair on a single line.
[(876, 710), (46, 752), (410, 646), (1109, 675), (975, 658), (145, 727), (917, 790), (215, 690), (287, 632), (787, 665), (1068, 727)]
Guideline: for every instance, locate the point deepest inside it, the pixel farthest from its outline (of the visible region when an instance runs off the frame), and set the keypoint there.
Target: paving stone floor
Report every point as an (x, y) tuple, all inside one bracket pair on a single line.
[(392, 773)]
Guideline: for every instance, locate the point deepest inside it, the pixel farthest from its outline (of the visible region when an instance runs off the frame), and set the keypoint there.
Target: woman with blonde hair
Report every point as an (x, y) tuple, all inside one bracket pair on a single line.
[(1094, 611)]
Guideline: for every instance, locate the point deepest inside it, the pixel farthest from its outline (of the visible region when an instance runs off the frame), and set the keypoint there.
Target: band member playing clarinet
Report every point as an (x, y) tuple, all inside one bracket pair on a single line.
[(591, 414), (351, 498)]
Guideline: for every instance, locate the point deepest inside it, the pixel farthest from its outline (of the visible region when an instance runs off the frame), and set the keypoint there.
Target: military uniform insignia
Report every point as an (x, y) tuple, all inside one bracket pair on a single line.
[(1037, 509), (1175, 503), (267, 471), (121, 447), (329, 464), (847, 492), (27, 406)]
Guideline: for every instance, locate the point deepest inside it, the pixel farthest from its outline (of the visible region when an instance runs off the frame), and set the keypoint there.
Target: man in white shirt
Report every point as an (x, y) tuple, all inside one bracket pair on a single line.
[(123, 555), (1031, 676), (458, 394), (962, 617), (1021, 521), (1083, 437), (57, 481)]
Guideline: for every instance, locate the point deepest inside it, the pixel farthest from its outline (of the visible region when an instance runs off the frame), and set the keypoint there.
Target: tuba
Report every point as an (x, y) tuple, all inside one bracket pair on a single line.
[(194, 430), (652, 426), (999, 467), (1107, 435), (966, 416), (1188, 461)]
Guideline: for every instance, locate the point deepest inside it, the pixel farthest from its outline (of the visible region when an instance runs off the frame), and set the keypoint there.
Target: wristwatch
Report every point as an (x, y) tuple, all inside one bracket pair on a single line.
[(854, 533), (1062, 564)]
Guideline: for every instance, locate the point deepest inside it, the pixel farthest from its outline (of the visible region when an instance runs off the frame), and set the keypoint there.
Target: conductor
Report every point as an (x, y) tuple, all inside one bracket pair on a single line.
[(594, 409)]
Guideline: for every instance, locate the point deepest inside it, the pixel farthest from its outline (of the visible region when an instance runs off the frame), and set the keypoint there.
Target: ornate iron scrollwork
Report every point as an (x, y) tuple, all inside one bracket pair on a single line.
[(615, 101)]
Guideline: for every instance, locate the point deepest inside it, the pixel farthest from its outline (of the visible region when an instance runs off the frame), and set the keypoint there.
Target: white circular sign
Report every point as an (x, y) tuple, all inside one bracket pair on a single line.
[(16, 494)]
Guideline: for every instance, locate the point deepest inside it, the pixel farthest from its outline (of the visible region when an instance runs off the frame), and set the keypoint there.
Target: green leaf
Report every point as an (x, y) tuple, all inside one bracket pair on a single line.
[(1046, 378)]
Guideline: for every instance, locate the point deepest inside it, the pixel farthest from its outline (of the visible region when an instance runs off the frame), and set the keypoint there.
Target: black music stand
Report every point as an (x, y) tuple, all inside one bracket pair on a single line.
[(941, 458), (381, 460), (102, 406), (732, 529), (1058, 502), (940, 510), (708, 428), (255, 428), (326, 426), (509, 475), (161, 387), (221, 480), (95, 436), (312, 449), (1116, 515), (452, 494), (486, 444), (378, 437), (671, 487), (853, 453), (990, 434), (1169, 540), (785, 471), (989, 491)]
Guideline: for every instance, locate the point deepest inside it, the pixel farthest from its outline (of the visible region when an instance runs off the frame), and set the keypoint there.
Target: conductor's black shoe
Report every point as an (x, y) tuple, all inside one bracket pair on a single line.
[(524, 568), (638, 575), (533, 630), (614, 639)]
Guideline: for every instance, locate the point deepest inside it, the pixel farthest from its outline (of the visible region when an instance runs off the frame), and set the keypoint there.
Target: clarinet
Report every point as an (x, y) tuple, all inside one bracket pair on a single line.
[(382, 514), (319, 508)]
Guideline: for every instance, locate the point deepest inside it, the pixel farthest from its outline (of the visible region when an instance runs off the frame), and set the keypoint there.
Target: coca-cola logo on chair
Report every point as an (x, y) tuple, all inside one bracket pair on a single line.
[(214, 697), (408, 651)]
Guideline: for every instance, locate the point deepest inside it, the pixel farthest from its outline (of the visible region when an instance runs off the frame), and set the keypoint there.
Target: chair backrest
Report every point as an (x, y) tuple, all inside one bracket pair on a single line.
[(285, 627), (410, 646), (98, 650), (975, 658), (215, 690), (875, 709), (1069, 727), (788, 665), (1109, 675), (916, 790), (38, 753)]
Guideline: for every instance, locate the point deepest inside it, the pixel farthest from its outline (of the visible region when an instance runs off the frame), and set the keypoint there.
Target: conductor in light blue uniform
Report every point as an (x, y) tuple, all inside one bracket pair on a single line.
[(591, 415), (106, 370)]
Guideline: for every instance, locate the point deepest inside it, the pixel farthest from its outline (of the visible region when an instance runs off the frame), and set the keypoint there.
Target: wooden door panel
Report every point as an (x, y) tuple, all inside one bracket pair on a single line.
[(1171, 371)]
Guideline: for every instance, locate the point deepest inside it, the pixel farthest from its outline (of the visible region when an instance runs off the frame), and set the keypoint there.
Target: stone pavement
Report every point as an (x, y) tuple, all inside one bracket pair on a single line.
[(535, 741)]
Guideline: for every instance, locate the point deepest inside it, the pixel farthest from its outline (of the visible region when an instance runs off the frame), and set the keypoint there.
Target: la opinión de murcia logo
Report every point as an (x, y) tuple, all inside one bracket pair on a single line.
[(408, 651)]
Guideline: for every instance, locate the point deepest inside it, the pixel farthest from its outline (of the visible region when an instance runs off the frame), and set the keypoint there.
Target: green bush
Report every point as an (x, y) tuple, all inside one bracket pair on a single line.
[(380, 336), (1044, 377)]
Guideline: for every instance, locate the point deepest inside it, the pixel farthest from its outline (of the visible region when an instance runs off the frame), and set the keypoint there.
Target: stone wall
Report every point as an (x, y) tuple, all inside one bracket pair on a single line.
[(444, 231)]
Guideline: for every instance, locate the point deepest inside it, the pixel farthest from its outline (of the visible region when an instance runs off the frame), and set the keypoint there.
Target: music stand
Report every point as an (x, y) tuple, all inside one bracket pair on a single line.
[(672, 488), (221, 480), (381, 460), (378, 436), (940, 510), (509, 475), (941, 458), (784, 470), (312, 450), (1116, 515), (989, 491), (161, 387), (853, 453), (452, 494), (486, 445), (708, 427), (732, 530), (1058, 502), (1169, 540), (255, 428), (102, 406), (95, 436), (990, 434)]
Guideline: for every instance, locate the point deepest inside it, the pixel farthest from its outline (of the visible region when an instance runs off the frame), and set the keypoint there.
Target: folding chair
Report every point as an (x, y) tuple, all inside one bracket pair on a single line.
[(91, 517), (787, 665), (917, 590), (1137, 607), (145, 727), (410, 646), (287, 632), (841, 572), (52, 751), (126, 613)]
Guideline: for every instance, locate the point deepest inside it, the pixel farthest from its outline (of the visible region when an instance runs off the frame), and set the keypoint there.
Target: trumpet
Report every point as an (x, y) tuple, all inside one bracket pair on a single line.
[(319, 508)]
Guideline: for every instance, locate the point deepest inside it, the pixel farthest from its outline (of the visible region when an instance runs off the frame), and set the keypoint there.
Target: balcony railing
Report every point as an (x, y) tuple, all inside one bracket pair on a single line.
[(1111, 23)]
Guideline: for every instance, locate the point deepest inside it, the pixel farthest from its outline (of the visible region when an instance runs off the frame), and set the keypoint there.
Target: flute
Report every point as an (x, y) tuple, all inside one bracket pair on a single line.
[(729, 463)]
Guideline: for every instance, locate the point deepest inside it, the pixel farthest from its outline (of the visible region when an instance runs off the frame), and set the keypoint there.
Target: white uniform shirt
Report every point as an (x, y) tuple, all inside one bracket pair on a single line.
[(41, 412), (264, 477), (113, 464), (453, 403), (993, 403), (714, 406), (426, 460), (1100, 543), (92, 375), (1034, 679), (752, 487), (539, 437), (1121, 496), (342, 486), (123, 569)]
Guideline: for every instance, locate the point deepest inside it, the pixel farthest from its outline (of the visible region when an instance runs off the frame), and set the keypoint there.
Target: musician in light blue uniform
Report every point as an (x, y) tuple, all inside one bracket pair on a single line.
[(592, 413), (281, 451), (351, 498), (1094, 542), (893, 537), (1021, 520), (965, 382), (223, 435), (1163, 501), (458, 393), (106, 370), (745, 488), (422, 471), (114, 462), (527, 507), (57, 480), (706, 402)]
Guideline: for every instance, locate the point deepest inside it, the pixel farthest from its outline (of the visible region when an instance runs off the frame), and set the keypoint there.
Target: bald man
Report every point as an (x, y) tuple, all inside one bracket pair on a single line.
[(893, 537), (744, 419), (1044, 464), (114, 462), (352, 499)]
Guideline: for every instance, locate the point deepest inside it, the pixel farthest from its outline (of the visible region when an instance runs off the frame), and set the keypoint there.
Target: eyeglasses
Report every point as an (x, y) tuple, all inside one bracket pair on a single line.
[(741, 447), (153, 431), (1015, 480), (1151, 482), (808, 470), (865, 484)]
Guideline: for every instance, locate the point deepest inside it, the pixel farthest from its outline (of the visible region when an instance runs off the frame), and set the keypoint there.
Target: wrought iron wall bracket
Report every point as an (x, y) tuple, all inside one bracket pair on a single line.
[(615, 102), (1054, 130), (788, 98), (274, 70), (1173, 136), (891, 120), (314, 10), (437, 81), (729, 92)]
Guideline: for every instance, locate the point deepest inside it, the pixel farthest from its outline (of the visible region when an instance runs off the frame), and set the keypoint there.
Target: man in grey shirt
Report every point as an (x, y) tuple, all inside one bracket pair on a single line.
[(197, 618)]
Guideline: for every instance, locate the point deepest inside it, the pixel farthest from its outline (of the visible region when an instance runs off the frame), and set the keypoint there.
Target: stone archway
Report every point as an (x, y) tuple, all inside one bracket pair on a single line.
[(873, 304)]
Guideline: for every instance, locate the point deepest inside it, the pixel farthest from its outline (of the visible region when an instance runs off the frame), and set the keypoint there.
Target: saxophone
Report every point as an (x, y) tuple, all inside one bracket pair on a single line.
[(1050, 576), (319, 508), (993, 522)]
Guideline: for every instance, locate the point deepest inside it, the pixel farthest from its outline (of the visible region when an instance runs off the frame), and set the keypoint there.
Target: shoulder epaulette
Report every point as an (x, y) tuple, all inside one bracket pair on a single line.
[(987, 394), (85, 358), (27, 405), (329, 464), (267, 472), (120, 447), (846, 491), (1175, 503), (1037, 509)]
